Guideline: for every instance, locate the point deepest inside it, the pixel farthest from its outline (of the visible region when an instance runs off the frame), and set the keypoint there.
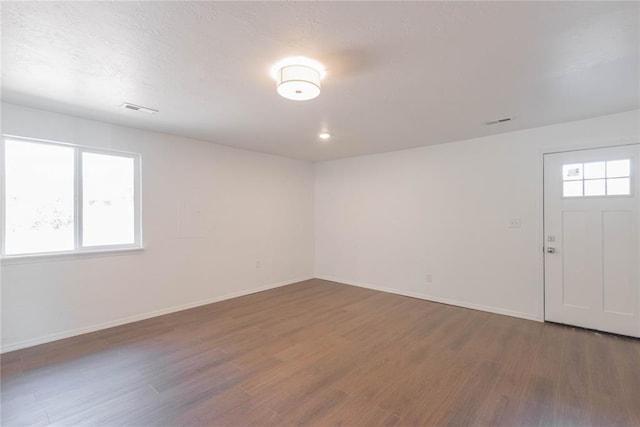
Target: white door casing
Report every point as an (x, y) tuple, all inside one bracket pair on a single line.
[(592, 243)]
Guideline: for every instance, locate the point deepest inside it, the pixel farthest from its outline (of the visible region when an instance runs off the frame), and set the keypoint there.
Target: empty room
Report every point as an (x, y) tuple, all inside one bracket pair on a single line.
[(320, 213)]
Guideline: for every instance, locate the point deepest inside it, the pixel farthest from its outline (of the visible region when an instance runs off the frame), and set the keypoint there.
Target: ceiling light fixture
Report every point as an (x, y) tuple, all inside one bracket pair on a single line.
[(324, 135), (298, 78)]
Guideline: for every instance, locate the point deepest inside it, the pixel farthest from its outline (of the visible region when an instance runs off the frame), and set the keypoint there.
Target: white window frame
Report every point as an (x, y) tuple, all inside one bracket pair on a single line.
[(78, 200), (632, 160)]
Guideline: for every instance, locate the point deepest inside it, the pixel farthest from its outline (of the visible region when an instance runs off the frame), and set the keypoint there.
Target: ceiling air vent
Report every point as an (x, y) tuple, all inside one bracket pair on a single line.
[(495, 122), (133, 107)]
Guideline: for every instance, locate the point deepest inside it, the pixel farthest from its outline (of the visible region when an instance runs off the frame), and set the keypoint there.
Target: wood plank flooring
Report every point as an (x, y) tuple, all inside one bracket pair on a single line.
[(322, 353)]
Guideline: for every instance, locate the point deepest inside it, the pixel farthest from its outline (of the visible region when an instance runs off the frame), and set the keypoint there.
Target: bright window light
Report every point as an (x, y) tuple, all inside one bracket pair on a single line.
[(65, 198), (597, 179), (107, 200), (39, 200)]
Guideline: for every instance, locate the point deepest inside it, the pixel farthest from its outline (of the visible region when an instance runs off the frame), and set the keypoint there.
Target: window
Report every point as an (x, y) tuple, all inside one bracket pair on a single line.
[(612, 178), (66, 198)]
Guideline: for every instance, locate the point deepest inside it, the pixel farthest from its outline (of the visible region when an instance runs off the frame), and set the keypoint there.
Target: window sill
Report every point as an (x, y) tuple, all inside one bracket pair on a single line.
[(65, 256)]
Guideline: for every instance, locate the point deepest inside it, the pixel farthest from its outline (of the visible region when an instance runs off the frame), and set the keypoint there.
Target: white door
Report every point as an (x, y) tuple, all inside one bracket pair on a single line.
[(592, 238)]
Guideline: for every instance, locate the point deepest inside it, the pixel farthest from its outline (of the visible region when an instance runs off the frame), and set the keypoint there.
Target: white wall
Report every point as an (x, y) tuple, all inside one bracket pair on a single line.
[(386, 221), (259, 208), (383, 221)]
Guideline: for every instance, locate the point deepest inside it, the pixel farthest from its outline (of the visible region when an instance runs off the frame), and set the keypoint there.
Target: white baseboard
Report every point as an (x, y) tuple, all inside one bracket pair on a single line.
[(74, 332), (71, 333), (449, 301)]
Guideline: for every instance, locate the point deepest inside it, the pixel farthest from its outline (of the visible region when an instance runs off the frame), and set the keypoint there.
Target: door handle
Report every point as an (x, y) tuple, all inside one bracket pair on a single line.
[(551, 250)]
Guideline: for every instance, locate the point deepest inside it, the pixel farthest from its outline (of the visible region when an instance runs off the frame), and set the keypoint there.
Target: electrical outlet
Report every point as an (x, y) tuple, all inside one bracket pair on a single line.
[(257, 264), (515, 222), (429, 278)]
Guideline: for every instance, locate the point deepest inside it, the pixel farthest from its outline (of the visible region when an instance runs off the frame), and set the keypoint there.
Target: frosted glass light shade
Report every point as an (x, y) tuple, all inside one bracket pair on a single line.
[(298, 78)]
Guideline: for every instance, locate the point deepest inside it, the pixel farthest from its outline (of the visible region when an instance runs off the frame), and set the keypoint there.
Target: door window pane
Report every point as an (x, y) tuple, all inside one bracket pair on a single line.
[(39, 201), (570, 172), (594, 187), (572, 188), (619, 187), (594, 170), (612, 178), (108, 209), (618, 168)]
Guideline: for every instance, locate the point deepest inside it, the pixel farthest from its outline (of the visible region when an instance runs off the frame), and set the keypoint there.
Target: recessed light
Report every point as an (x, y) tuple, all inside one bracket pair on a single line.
[(324, 135)]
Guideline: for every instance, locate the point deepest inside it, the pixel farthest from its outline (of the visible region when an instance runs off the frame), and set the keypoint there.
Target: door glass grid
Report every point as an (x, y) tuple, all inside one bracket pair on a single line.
[(597, 179)]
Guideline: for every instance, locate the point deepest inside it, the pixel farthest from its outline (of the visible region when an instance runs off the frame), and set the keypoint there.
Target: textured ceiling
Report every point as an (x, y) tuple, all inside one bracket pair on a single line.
[(399, 75)]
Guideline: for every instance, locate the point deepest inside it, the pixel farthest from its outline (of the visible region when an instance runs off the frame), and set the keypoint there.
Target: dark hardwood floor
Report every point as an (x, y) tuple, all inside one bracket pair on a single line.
[(321, 353)]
